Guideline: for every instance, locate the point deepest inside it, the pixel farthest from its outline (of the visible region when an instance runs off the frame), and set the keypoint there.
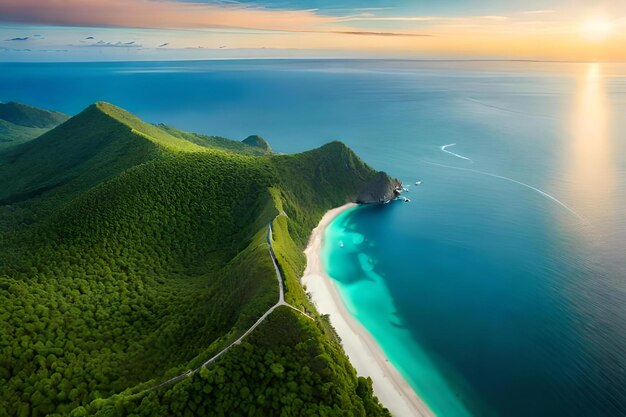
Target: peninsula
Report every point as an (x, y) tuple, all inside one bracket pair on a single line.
[(139, 267)]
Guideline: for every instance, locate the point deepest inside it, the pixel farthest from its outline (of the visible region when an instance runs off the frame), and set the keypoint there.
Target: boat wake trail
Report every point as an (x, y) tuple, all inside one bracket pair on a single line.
[(444, 148), (537, 190)]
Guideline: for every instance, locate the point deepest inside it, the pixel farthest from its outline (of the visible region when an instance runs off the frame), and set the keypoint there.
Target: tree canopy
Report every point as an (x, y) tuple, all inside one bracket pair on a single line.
[(129, 254)]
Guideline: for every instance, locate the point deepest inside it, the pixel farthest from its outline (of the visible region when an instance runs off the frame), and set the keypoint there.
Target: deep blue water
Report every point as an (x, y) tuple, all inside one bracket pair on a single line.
[(500, 289)]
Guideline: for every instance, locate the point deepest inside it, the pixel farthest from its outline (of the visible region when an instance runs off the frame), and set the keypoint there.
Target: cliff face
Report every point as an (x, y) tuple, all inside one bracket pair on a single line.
[(379, 189)]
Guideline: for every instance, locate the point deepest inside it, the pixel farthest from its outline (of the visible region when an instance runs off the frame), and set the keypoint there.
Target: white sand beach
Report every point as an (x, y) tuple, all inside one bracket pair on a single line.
[(365, 354)]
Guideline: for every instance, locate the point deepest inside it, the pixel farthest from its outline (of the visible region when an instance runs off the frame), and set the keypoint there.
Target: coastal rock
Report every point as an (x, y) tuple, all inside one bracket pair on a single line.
[(380, 189)]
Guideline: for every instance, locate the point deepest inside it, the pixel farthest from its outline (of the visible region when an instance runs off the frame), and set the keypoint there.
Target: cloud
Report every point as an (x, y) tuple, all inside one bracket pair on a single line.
[(368, 17), (372, 8), (539, 12), (25, 38), (119, 44), (171, 14), (494, 17), (366, 33), (163, 14)]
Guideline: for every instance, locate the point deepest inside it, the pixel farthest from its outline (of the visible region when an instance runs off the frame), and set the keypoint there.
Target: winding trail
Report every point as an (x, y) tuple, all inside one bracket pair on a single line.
[(281, 302)]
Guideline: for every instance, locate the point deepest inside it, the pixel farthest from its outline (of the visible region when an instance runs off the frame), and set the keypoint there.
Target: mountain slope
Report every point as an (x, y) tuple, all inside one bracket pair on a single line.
[(145, 254), (214, 142), (257, 142), (12, 134), (20, 123), (27, 116), (95, 145)]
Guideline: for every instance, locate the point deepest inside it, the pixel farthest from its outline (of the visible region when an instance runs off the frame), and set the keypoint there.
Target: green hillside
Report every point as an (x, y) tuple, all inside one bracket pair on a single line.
[(98, 143), (215, 142), (129, 254), (28, 116), (12, 134), (20, 123)]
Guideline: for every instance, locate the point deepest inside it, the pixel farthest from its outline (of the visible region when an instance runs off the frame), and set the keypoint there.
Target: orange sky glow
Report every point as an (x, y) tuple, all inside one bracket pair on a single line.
[(578, 35)]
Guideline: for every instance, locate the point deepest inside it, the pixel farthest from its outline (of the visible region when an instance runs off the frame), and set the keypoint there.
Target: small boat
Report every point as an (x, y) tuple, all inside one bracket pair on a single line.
[(341, 244), (418, 182), (386, 201), (406, 200)]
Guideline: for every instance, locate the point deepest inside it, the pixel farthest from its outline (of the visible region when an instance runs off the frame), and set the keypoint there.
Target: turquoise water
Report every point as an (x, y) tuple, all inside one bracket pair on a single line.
[(367, 297), (500, 289)]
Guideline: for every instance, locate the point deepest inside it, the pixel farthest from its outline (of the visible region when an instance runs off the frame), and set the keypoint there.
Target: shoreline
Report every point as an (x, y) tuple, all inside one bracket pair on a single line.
[(364, 353)]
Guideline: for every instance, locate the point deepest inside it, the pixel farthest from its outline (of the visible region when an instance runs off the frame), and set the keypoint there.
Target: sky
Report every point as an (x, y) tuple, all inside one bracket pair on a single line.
[(103, 30)]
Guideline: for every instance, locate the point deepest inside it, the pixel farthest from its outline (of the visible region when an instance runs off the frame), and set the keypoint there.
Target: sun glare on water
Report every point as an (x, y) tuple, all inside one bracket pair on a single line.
[(597, 29)]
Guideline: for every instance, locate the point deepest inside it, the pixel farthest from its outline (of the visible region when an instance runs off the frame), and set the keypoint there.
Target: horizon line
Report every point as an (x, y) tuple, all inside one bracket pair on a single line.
[(529, 60)]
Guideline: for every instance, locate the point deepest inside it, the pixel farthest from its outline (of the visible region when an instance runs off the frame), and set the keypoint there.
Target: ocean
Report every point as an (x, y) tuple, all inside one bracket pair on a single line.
[(500, 288)]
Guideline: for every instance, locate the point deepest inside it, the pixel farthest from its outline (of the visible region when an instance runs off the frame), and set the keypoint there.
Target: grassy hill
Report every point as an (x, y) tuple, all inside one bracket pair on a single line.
[(216, 142), (129, 254), (20, 123)]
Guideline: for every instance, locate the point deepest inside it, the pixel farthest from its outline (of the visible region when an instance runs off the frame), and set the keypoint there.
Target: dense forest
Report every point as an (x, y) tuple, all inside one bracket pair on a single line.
[(20, 123), (131, 252)]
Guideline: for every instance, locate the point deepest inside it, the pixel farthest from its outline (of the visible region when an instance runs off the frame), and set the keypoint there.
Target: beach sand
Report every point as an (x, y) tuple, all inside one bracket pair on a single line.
[(364, 353)]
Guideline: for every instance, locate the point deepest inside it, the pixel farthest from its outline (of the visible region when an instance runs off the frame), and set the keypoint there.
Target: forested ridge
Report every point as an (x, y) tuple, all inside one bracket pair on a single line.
[(20, 123), (129, 254)]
